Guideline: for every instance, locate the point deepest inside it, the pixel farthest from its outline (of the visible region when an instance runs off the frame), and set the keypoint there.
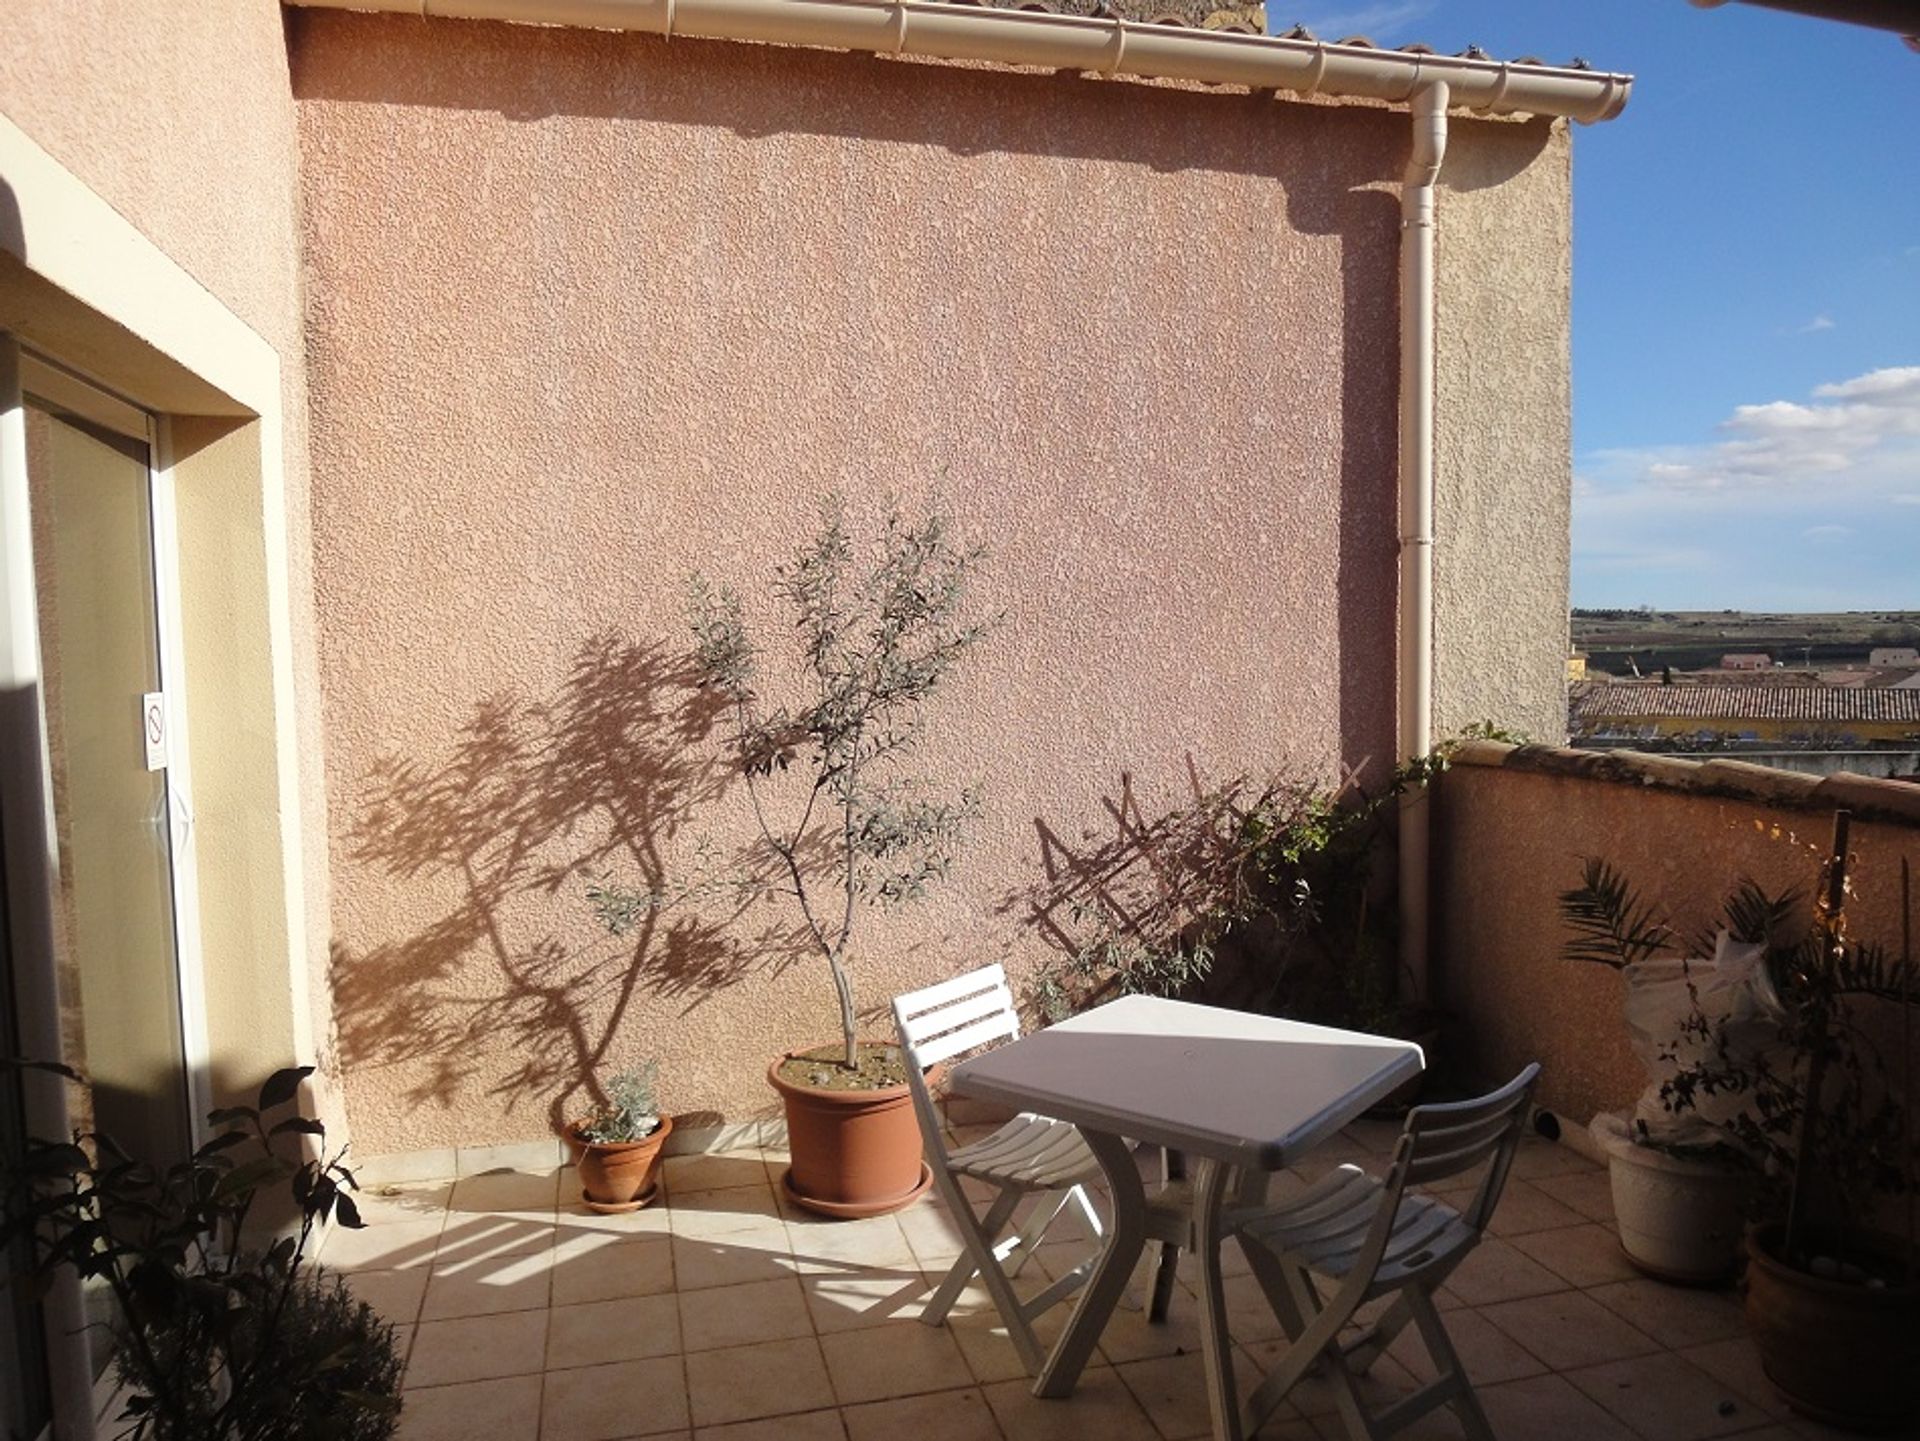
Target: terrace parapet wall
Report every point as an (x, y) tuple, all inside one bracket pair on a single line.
[(1511, 824)]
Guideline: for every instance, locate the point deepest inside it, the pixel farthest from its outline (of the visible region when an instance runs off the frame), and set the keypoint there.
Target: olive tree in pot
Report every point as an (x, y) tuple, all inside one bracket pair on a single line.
[(840, 827)]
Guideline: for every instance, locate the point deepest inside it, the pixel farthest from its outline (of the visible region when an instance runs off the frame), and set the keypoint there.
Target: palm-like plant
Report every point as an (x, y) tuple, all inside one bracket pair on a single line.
[(1826, 1119)]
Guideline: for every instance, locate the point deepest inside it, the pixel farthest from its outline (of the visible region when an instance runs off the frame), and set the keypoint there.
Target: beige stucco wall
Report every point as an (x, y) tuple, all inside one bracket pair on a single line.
[(1503, 443), (588, 310), (180, 117), (1510, 830)]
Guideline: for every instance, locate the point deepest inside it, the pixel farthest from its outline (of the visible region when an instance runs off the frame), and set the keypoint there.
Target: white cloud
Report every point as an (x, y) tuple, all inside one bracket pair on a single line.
[(1827, 532), (1820, 322), (1858, 437), (1905, 499)]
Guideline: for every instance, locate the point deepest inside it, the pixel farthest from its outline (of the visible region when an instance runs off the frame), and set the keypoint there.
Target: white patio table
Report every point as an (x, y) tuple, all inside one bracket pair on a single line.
[(1246, 1095)]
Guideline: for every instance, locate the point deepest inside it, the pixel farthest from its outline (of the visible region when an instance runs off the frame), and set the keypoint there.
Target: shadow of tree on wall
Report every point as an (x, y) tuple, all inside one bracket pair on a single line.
[(535, 800)]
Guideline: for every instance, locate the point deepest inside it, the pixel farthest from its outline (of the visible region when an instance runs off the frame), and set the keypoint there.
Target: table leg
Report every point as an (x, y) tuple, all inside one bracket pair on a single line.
[(1216, 1344), (1110, 1275)]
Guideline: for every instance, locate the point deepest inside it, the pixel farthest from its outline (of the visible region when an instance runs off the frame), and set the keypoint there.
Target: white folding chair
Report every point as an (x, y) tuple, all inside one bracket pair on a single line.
[(1370, 1238), (1027, 1156)]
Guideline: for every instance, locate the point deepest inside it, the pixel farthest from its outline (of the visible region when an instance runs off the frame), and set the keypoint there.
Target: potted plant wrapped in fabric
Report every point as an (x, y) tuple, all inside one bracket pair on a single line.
[(617, 1149), (1833, 1300), (1681, 1180), (840, 829)]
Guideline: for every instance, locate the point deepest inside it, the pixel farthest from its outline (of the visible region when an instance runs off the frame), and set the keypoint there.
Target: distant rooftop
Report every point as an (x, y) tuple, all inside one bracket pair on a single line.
[(1598, 701)]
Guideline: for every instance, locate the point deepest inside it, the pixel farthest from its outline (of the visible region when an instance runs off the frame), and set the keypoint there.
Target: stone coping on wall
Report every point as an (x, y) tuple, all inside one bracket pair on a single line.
[(1868, 797)]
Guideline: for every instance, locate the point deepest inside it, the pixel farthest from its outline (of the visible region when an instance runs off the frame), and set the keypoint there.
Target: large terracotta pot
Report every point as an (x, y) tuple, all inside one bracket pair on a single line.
[(1839, 1351), (619, 1176), (853, 1153)]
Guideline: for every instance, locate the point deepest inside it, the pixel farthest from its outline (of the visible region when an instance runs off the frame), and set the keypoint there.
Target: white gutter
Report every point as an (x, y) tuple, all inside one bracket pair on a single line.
[(1415, 731), (1067, 42), (1429, 83)]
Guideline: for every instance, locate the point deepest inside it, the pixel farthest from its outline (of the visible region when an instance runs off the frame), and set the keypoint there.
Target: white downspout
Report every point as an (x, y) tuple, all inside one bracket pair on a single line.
[(1416, 516)]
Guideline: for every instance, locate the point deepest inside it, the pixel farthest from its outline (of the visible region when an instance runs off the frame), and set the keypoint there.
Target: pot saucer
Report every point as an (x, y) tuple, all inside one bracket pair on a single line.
[(620, 1208)]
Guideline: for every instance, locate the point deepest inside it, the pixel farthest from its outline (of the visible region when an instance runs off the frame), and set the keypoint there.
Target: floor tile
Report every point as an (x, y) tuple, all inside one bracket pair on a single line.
[(475, 1240), (941, 1416), (510, 1406), (1585, 1255), (1675, 1316), (477, 1347), (584, 1271), (1735, 1363), (1588, 1192), (713, 1171), (1495, 1271), (612, 1403), (1386, 1382), (848, 1301), (732, 1260), (1539, 1157), (1101, 1406), (932, 1232), (1662, 1396), (574, 1215), (703, 1215), (743, 1383), (1487, 1353), (1569, 1329), (893, 1361), (597, 1332), (395, 1295), (741, 1315), (397, 1246), (506, 1193), (877, 1242), (1524, 1207), (1172, 1390), (390, 1205), (511, 1283), (811, 1426), (1548, 1408)]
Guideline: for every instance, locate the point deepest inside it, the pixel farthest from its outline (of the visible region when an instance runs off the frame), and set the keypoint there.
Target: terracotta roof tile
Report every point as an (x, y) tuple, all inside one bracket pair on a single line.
[(1882, 705)]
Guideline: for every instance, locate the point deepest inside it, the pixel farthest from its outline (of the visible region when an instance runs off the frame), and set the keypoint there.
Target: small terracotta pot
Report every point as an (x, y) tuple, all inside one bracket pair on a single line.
[(622, 1175), (854, 1153), (1840, 1352)]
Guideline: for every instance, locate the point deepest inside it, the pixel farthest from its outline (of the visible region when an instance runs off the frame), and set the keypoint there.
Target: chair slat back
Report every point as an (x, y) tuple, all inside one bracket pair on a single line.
[(938, 1022), (1445, 1140)]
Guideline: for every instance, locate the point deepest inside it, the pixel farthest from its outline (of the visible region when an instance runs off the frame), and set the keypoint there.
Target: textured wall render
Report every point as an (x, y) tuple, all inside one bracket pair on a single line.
[(1503, 442), (587, 310)]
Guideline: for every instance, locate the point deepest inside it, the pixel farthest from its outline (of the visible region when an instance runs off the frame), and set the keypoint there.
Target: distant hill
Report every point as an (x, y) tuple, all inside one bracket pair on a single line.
[(1696, 640)]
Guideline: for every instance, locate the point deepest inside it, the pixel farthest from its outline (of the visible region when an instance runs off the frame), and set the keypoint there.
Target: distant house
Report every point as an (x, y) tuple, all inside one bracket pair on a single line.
[(1576, 667), (1746, 662), (1893, 655)]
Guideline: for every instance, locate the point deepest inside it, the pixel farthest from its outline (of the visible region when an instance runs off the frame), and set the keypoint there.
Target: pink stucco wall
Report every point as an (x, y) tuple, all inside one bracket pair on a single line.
[(587, 310), (1510, 830)]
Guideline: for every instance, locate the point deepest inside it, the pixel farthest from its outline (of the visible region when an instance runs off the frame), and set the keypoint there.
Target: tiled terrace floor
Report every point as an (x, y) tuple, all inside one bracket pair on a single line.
[(725, 1315)]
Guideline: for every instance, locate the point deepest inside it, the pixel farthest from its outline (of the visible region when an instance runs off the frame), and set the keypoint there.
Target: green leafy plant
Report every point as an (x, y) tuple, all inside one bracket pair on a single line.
[(214, 1338), (632, 1111), (1823, 1119), (878, 638), (1276, 879)]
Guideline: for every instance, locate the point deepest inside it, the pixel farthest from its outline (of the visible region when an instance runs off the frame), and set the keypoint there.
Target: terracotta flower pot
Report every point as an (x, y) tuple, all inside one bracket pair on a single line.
[(854, 1153), (1840, 1352), (621, 1175)]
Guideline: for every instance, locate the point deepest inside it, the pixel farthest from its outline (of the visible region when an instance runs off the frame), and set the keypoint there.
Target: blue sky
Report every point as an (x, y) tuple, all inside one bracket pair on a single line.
[(1746, 296)]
